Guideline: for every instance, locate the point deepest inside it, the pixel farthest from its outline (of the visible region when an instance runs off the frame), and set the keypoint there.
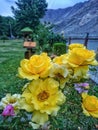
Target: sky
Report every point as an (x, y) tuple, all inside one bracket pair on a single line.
[(5, 5)]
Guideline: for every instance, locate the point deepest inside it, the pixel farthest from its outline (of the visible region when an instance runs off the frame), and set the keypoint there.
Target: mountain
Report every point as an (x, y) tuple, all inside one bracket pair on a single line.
[(80, 18)]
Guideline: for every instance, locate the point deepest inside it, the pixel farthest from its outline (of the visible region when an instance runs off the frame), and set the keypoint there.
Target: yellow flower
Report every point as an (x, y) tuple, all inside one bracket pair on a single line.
[(60, 72), (81, 72), (90, 105), (37, 66), (76, 45), (39, 118), (81, 57), (11, 99), (61, 60), (44, 96)]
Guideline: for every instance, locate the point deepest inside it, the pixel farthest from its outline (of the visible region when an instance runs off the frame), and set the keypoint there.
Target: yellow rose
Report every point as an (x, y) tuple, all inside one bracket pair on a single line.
[(75, 45), (90, 105), (81, 57), (61, 60), (37, 66), (43, 96), (60, 72)]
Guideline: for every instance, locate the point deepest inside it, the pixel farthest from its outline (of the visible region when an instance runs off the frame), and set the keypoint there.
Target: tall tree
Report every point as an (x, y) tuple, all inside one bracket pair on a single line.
[(7, 26), (29, 12)]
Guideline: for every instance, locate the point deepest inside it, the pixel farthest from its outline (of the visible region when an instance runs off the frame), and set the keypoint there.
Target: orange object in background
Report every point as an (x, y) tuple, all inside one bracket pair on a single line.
[(29, 44)]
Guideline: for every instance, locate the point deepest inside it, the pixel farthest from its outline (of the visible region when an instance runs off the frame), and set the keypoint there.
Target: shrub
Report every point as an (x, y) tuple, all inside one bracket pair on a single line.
[(47, 48), (3, 37), (59, 48)]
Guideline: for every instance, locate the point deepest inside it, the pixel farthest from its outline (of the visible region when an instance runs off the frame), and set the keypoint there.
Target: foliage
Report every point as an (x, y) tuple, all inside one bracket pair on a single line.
[(47, 48), (59, 48), (29, 12), (3, 37), (46, 38), (16, 122), (7, 25), (42, 36), (58, 38)]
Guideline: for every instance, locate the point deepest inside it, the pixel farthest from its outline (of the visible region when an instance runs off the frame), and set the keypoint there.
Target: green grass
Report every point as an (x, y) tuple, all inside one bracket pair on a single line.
[(70, 117), (11, 52)]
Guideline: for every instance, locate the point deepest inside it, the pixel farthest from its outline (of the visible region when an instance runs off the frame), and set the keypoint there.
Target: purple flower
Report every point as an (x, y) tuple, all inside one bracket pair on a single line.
[(8, 110), (82, 87)]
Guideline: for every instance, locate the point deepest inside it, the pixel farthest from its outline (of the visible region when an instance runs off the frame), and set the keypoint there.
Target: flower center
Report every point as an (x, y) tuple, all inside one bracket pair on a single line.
[(58, 75), (12, 101), (43, 96)]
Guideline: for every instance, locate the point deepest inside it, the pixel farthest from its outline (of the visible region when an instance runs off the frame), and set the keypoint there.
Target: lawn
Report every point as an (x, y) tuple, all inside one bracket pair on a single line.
[(70, 117), (11, 52)]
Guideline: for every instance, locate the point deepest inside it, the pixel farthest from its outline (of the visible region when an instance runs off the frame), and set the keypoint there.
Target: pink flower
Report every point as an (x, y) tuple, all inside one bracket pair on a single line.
[(8, 110)]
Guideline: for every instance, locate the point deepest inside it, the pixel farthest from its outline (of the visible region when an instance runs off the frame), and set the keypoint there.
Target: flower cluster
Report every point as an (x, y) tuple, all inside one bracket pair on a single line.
[(47, 78)]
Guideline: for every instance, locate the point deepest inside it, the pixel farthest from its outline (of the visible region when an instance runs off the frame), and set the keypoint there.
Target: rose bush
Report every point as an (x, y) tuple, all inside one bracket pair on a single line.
[(49, 84)]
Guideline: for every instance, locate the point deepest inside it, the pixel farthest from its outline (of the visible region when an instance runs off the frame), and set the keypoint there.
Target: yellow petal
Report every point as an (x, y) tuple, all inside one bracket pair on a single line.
[(84, 95), (34, 125), (94, 114), (25, 106), (39, 118), (85, 111), (81, 71), (29, 76), (76, 45)]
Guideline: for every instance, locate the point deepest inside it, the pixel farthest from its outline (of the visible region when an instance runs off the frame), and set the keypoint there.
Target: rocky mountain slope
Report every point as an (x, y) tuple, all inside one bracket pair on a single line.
[(80, 18)]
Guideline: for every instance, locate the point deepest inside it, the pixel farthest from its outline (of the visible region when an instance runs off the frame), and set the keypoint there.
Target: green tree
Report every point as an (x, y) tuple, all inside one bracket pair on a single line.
[(28, 13), (7, 25)]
